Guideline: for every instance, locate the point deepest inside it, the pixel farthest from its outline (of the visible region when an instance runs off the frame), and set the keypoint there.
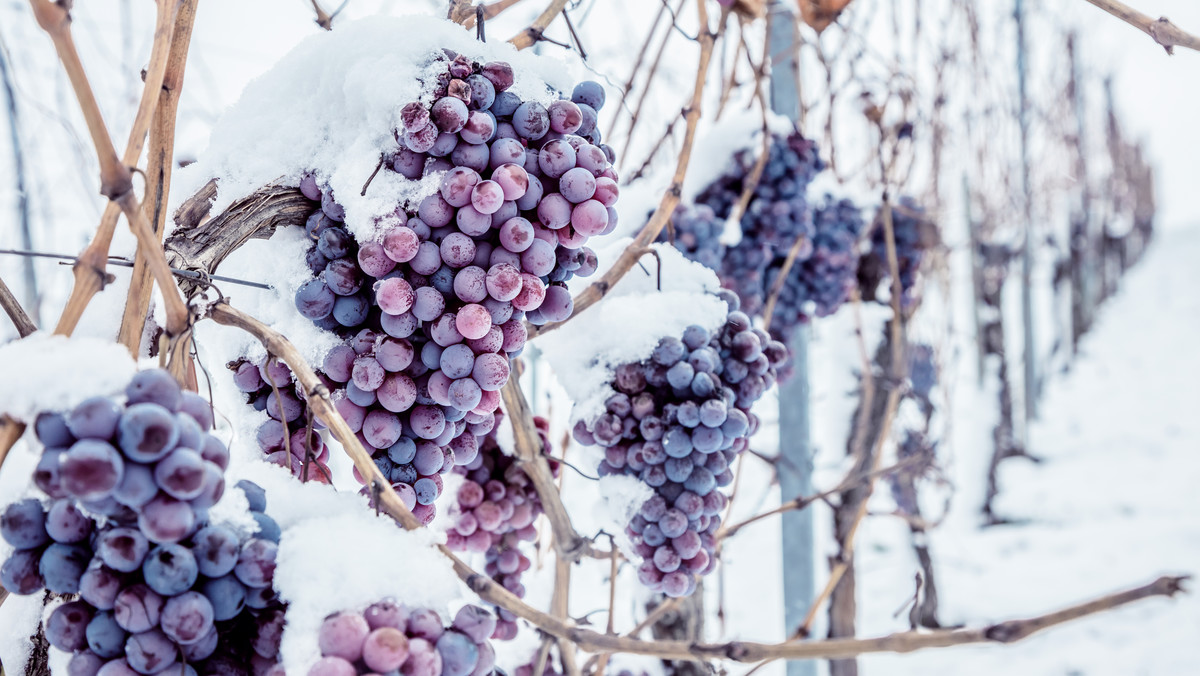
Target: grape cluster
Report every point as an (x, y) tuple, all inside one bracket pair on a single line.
[(389, 638), (432, 310), (697, 233), (676, 421), (494, 513), (776, 217), (290, 436), (127, 531), (908, 223), (818, 284)]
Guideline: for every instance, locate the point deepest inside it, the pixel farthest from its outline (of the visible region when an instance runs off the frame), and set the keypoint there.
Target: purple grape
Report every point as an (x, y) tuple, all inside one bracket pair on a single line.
[(66, 628), (343, 635), (147, 432), (150, 652), (531, 120), (577, 185), (256, 563), (62, 567), (449, 114), (166, 520), (95, 418), (92, 469), (479, 129), (24, 524), (187, 618)]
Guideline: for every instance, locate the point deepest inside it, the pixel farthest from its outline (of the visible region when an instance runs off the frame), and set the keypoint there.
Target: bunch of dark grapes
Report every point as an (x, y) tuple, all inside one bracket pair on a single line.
[(494, 513), (677, 421), (697, 233), (389, 638), (154, 579), (776, 217), (432, 309), (911, 229), (290, 437), (819, 283)]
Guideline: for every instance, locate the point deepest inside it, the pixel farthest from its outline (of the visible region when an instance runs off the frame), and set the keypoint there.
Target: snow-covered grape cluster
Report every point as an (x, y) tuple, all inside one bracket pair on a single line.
[(432, 309), (676, 421), (390, 638), (290, 437), (127, 531), (908, 220), (495, 508)]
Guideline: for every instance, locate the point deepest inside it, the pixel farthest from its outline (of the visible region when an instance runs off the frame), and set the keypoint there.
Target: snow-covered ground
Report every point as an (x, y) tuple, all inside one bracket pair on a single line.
[(1114, 504)]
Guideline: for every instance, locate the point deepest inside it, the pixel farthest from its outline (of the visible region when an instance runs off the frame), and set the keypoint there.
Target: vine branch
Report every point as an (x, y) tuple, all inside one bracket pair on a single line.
[(1161, 30)]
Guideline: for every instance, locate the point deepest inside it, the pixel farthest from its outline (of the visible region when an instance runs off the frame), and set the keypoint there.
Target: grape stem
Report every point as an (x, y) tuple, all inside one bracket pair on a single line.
[(597, 290), (158, 174), (462, 12), (568, 544), (16, 313), (1161, 30), (115, 176), (742, 651)]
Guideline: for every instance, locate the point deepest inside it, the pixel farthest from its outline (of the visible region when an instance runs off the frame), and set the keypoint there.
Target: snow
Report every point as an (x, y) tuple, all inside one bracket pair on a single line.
[(337, 554), (627, 324), (19, 616), (1113, 504), (45, 372), (336, 100)]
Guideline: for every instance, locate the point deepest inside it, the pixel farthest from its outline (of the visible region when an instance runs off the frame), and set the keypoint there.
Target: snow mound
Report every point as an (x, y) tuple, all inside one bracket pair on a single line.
[(627, 325), (45, 372), (337, 554), (334, 102)]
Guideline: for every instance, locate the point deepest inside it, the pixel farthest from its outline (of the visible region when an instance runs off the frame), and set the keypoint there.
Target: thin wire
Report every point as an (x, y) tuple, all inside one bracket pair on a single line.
[(126, 263)]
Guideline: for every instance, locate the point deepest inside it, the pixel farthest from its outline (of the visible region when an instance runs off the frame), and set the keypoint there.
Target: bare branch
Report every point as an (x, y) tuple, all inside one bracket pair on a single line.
[(158, 173), (16, 313), (1161, 30), (536, 30)]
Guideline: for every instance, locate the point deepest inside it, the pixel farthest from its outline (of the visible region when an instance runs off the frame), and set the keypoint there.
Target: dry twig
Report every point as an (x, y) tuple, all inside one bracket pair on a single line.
[(158, 173), (536, 31), (1161, 30), (16, 313)]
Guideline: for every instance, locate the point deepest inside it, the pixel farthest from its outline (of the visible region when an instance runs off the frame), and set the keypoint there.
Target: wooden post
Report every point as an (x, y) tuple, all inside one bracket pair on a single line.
[(795, 466)]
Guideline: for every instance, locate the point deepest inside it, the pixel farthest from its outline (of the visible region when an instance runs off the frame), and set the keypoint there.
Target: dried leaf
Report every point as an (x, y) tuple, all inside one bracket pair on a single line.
[(820, 13)]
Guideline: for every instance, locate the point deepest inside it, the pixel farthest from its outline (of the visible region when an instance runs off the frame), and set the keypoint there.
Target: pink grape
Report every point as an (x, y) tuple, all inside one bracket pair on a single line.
[(457, 185), (469, 284), (472, 221), (338, 362), (512, 179), (473, 321), (515, 335), (385, 649), (577, 185), (397, 393), (516, 234), (607, 191), (400, 244), (457, 250), (565, 117), (589, 217), (488, 196), (450, 114), (479, 129), (503, 282), (394, 354), (373, 260), (506, 151), (427, 260), (532, 293), (538, 259), (490, 371), (427, 422), (394, 295), (554, 211)]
